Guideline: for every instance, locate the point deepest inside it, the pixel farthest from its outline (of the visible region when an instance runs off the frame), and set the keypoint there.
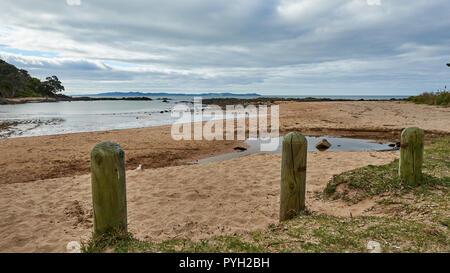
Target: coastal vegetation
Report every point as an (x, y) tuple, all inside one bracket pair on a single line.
[(432, 98), (371, 181), (305, 234), (409, 219), (15, 82)]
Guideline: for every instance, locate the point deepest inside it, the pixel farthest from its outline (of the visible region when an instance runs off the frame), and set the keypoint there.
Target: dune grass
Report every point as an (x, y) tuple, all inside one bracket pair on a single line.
[(432, 98), (304, 234), (358, 184)]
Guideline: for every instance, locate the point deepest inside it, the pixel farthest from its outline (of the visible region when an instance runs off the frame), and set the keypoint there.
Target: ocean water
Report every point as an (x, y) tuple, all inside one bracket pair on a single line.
[(85, 116)]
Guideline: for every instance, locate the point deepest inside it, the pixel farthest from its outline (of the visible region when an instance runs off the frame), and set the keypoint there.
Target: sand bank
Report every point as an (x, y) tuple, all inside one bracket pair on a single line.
[(35, 158), (365, 119)]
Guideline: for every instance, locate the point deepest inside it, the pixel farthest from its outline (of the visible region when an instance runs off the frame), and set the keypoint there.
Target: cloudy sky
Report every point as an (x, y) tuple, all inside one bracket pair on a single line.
[(282, 47)]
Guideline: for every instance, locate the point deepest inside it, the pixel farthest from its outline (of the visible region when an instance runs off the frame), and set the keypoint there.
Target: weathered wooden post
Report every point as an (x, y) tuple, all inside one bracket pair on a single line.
[(108, 188), (293, 175), (411, 156)]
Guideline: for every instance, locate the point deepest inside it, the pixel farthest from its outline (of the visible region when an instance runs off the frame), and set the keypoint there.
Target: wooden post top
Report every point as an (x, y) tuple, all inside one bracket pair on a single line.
[(108, 145), (295, 137), (411, 130)]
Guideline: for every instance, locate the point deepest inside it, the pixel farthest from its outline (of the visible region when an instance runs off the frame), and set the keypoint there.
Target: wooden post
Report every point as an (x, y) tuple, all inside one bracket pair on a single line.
[(108, 188), (293, 175), (411, 156)]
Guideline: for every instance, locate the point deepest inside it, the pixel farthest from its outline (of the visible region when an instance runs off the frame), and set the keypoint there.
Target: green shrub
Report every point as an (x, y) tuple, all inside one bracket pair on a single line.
[(432, 98)]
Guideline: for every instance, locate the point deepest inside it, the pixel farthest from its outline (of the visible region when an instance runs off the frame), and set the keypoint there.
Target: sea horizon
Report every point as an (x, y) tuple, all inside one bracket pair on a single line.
[(237, 95)]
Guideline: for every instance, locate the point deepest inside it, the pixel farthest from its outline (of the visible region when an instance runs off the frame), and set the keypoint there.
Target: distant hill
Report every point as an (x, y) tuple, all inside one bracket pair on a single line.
[(15, 82), (141, 94)]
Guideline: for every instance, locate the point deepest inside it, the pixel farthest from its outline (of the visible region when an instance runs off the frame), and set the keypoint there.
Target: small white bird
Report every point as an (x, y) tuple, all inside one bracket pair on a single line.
[(139, 168)]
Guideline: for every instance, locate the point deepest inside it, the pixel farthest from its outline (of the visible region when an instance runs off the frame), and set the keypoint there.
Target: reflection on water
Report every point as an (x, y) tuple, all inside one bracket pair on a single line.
[(338, 144), (88, 116), (85, 116)]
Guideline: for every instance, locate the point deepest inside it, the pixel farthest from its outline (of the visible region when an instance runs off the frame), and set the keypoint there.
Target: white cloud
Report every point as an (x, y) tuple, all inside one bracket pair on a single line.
[(374, 2), (73, 2)]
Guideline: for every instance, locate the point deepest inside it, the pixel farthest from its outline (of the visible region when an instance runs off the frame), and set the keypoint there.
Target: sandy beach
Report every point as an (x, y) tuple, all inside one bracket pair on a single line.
[(45, 196), (198, 201), (372, 119)]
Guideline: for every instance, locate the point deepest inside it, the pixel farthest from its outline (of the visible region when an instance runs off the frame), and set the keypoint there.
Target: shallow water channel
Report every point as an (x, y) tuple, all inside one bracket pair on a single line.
[(337, 144)]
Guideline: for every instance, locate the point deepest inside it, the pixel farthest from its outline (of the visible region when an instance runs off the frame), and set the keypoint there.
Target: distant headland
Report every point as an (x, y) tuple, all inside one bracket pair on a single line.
[(141, 94)]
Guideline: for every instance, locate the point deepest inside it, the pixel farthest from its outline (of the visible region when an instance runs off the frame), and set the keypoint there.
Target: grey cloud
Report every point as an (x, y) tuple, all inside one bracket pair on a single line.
[(296, 46)]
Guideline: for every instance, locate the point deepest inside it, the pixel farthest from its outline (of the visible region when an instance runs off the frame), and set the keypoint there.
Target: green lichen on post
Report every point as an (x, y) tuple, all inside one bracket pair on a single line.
[(108, 188), (411, 156), (293, 175)]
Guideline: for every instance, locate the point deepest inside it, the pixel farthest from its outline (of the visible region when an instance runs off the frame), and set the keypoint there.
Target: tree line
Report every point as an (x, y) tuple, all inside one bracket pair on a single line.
[(15, 82)]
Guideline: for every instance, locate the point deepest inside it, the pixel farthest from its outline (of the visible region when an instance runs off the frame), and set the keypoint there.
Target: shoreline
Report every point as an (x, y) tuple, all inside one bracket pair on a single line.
[(9, 101), (33, 158), (380, 134), (13, 126), (211, 101), (223, 102)]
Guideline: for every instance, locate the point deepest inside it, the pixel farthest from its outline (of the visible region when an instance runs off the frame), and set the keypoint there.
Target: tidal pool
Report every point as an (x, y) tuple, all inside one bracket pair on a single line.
[(337, 144)]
